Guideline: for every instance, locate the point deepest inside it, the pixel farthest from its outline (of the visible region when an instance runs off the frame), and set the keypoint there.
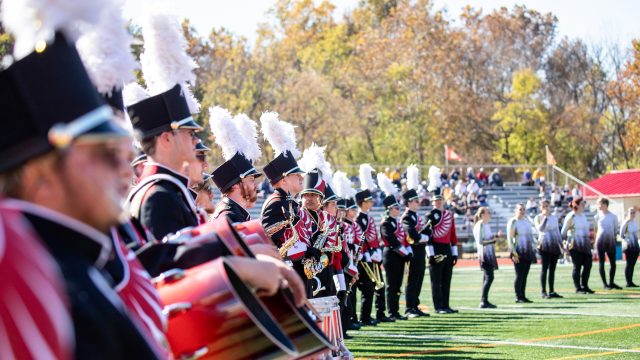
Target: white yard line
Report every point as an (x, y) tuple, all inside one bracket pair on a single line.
[(489, 341), (524, 310)]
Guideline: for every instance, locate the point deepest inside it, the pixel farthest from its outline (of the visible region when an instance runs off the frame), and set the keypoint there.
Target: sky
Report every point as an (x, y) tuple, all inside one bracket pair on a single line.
[(594, 21)]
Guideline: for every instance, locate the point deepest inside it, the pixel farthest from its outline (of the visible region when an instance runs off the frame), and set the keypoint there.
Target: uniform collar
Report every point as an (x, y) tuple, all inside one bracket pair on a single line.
[(61, 231), (152, 168), (232, 205)]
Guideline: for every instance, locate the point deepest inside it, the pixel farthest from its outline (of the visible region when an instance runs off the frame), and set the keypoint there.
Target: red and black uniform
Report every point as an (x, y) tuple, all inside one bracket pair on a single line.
[(413, 225), (370, 246), (322, 225), (393, 237), (443, 241), (31, 288)]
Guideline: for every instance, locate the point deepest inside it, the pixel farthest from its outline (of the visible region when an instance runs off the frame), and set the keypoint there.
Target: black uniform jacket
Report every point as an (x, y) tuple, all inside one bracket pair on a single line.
[(232, 210), (388, 230), (102, 328), (275, 215), (409, 224)]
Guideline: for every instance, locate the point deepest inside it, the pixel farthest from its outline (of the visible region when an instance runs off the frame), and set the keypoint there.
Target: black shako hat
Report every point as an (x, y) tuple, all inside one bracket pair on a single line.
[(48, 101), (313, 183), (282, 165), (390, 201), (163, 112), (410, 195), (329, 195), (363, 195), (233, 171)]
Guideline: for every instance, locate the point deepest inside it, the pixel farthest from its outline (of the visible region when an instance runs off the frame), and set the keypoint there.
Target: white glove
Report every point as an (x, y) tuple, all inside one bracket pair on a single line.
[(338, 280), (403, 251), (360, 257), (377, 256), (367, 257), (423, 239), (409, 250), (430, 251), (454, 250)]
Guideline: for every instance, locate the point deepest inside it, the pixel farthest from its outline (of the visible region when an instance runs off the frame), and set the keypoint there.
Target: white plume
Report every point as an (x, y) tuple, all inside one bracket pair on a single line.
[(386, 185), (225, 132), (313, 158), (434, 178), (249, 131), (105, 50), (280, 134), (32, 21), (366, 179), (342, 185), (133, 93), (413, 177), (165, 61)]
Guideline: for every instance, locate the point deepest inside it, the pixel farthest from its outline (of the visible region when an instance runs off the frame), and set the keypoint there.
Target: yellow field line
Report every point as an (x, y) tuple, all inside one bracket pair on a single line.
[(565, 336), (591, 355)]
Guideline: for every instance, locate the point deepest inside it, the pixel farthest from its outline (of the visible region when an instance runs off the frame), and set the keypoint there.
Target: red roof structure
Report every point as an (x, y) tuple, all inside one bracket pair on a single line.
[(616, 184)]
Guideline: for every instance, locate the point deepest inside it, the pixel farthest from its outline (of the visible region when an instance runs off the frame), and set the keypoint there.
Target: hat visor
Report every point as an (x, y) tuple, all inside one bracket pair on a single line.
[(295, 170), (312, 191), (200, 147), (331, 198), (98, 125), (252, 172), (187, 124)]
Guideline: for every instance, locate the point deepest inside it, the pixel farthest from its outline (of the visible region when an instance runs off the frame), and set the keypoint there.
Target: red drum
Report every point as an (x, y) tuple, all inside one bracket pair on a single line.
[(252, 232), (213, 315), (329, 309)]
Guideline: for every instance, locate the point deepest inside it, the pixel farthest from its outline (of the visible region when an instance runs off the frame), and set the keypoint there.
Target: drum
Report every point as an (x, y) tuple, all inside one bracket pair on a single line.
[(252, 232), (213, 315), (329, 309)]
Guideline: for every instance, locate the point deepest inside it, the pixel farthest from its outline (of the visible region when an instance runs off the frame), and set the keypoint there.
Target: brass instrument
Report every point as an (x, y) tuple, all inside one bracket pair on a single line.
[(313, 267), (294, 238), (374, 275)]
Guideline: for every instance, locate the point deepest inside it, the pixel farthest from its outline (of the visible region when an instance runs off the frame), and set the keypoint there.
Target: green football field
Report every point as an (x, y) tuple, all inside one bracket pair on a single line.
[(603, 325)]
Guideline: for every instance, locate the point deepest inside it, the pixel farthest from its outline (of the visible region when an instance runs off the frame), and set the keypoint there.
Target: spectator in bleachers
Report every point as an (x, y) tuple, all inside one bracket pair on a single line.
[(395, 177), (576, 193), (482, 177), (527, 179), (447, 192), (265, 188), (482, 198), (556, 198), (470, 175), (423, 194), (537, 175), (443, 176), (495, 179), (461, 188), (531, 206), (472, 187), (455, 175)]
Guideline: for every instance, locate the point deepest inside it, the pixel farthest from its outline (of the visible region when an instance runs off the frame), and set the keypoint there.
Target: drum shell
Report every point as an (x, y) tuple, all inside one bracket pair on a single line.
[(224, 317)]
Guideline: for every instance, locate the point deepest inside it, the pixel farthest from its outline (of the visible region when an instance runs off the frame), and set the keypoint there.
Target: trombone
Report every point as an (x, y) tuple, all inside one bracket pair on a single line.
[(374, 274)]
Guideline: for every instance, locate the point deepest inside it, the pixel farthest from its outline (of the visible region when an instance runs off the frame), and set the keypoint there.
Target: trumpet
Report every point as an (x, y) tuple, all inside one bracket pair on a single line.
[(294, 239), (374, 275), (313, 267)]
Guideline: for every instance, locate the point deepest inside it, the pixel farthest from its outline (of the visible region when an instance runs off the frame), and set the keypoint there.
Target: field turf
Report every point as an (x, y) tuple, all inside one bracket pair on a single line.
[(605, 325)]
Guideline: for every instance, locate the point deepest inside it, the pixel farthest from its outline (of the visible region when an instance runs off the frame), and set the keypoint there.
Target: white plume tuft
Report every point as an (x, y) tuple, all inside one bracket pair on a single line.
[(386, 185), (105, 50), (280, 134), (413, 177), (342, 185), (165, 61), (249, 131), (32, 21), (434, 178), (366, 177), (313, 158), (133, 93), (225, 132)]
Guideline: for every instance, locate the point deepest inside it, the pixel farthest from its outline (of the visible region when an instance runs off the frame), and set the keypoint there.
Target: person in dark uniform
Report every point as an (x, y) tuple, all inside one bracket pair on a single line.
[(281, 217), (236, 177), (61, 145), (322, 230), (412, 224), (365, 283), (394, 254), (442, 250)]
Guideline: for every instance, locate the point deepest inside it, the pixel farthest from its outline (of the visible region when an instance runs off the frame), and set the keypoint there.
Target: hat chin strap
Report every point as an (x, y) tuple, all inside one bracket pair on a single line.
[(62, 134)]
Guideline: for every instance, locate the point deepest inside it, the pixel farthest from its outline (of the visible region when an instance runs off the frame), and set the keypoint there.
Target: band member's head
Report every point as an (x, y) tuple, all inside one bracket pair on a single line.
[(63, 148), (330, 201), (166, 129), (411, 200), (246, 190), (364, 199), (482, 214), (438, 202), (577, 205), (201, 155), (520, 211), (391, 206), (545, 207), (631, 213), (205, 197), (603, 204), (137, 164)]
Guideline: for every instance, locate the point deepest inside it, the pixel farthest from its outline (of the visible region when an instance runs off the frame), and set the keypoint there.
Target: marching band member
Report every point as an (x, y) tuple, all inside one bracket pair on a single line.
[(629, 233), (73, 148), (236, 177), (521, 245), (412, 224), (371, 251), (395, 253), (549, 247), (485, 241), (576, 232), (442, 250), (606, 230)]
